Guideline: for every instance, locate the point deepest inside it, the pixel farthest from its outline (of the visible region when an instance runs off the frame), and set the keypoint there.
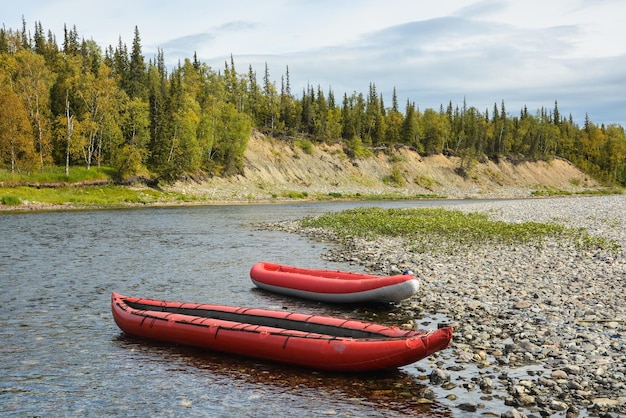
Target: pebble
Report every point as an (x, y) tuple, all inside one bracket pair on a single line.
[(550, 314), (513, 413), (559, 374)]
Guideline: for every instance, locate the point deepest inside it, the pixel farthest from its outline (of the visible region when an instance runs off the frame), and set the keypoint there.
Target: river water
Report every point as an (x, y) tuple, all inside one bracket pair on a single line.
[(62, 354)]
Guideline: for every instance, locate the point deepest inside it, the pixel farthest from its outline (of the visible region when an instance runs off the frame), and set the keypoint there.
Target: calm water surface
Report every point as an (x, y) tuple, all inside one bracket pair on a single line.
[(62, 354)]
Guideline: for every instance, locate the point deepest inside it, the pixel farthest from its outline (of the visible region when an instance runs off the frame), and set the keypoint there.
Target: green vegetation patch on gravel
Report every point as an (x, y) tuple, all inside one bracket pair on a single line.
[(445, 230)]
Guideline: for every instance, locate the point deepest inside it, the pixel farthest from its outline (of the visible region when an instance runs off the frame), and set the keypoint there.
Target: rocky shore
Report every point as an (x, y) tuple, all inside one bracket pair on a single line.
[(539, 328)]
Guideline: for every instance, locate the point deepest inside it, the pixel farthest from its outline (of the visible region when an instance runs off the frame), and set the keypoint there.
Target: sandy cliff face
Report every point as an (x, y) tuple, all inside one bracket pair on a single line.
[(274, 169)]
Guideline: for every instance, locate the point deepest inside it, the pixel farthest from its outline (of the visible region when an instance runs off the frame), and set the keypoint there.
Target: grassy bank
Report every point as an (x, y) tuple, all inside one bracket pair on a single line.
[(56, 175), (81, 188), (87, 196)]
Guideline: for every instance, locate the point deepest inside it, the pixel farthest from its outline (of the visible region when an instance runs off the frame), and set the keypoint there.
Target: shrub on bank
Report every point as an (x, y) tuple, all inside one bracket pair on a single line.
[(11, 200)]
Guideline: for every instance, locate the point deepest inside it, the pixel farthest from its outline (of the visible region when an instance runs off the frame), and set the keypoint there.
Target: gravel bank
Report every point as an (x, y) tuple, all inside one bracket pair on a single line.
[(539, 328)]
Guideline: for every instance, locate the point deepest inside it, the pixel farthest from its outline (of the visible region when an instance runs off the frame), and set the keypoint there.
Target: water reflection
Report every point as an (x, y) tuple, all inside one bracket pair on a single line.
[(388, 393)]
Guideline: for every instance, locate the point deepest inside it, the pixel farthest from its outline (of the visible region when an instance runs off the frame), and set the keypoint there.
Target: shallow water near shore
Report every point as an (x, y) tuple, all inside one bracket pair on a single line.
[(64, 356)]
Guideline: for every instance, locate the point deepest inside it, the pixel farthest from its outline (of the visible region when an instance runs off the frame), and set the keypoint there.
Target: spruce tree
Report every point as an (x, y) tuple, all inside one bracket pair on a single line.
[(136, 85)]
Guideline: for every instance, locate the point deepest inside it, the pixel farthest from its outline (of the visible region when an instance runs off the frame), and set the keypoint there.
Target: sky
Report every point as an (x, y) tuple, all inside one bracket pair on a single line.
[(523, 52)]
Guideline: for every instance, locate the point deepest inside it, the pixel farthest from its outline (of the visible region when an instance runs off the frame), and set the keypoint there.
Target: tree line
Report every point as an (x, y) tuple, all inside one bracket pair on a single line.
[(77, 104)]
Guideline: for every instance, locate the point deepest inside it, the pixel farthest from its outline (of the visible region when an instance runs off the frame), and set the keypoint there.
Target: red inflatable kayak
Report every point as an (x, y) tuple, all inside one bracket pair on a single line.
[(331, 285), (311, 341)]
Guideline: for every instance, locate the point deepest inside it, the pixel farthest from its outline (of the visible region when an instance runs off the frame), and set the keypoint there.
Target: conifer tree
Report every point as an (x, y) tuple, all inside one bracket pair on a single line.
[(348, 130), (408, 133), (270, 103), (557, 114), (333, 119), (287, 117), (4, 42), (254, 98), (160, 114), (70, 41), (136, 78)]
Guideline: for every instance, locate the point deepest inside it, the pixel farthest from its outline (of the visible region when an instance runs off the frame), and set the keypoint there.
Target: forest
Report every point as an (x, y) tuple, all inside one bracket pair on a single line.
[(76, 104)]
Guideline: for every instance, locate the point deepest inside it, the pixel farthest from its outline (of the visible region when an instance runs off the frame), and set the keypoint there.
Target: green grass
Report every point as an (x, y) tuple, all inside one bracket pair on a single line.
[(90, 196), (306, 145), (377, 197), (10, 200), (82, 188), (290, 194), (591, 192), (395, 179), (428, 229), (426, 182), (56, 175)]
